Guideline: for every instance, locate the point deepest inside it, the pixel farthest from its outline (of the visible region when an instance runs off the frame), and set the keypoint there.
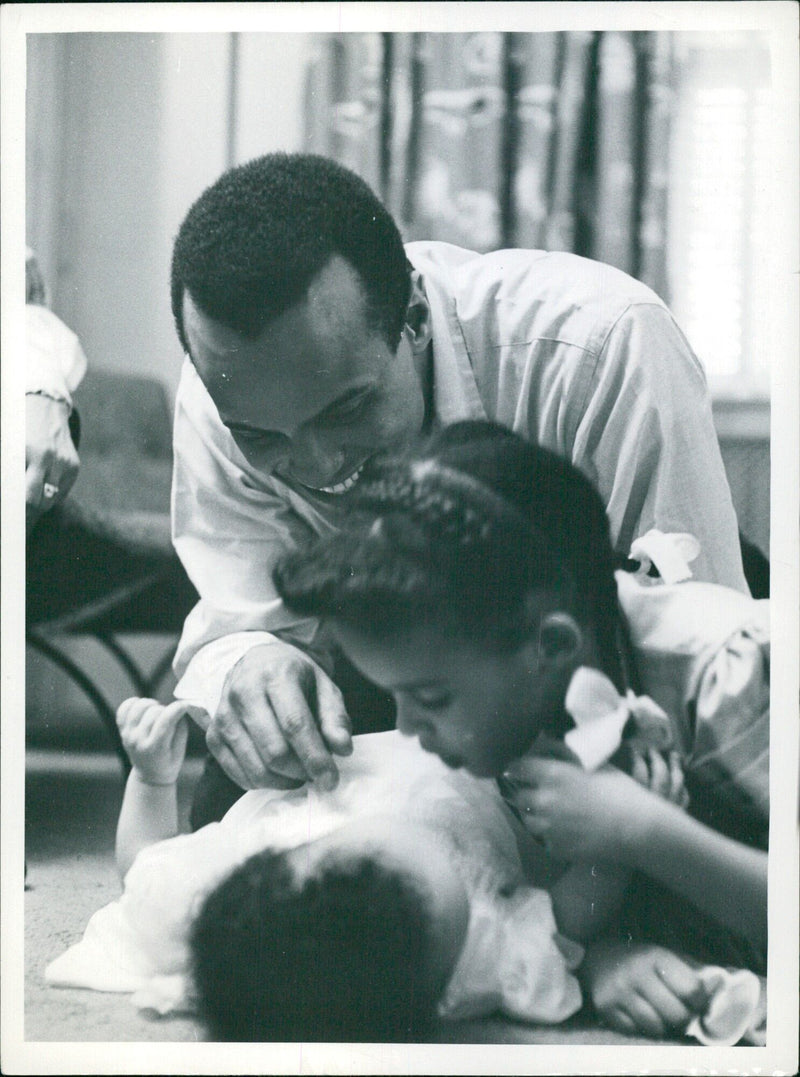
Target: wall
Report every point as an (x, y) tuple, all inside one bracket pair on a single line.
[(124, 132)]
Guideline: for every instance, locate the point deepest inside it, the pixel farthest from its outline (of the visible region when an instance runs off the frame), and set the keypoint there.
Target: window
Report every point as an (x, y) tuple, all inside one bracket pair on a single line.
[(721, 208)]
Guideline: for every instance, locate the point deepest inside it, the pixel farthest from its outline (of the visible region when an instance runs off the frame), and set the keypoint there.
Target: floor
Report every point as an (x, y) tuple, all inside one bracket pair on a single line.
[(72, 801)]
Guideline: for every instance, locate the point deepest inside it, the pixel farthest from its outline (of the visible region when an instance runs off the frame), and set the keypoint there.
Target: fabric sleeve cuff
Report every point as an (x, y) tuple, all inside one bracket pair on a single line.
[(205, 676)]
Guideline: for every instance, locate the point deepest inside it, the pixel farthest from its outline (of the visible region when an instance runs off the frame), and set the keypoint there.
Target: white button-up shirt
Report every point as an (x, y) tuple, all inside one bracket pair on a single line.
[(569, 353)]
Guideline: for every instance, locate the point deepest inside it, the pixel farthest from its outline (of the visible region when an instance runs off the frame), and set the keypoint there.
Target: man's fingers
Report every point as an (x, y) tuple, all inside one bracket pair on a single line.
[(269, 779), (299, 727), (228, 760), (334, 720), (235, 752), (249, 717)]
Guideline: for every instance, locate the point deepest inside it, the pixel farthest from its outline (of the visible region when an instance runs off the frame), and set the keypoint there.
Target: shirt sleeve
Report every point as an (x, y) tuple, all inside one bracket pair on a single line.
[(55, 362), (727, 769), (229, 534), (646, 438)]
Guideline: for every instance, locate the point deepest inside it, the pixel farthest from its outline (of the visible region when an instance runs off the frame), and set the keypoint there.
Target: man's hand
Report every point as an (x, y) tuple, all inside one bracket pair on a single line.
[(51, 459), (279, 720)]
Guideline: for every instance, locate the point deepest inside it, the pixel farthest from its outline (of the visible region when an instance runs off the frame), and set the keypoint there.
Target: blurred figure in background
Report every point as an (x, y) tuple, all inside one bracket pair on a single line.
[(55, 365)]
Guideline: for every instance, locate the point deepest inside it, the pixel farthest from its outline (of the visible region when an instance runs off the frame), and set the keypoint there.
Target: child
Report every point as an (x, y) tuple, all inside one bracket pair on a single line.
[(360, 913), (476, 582)]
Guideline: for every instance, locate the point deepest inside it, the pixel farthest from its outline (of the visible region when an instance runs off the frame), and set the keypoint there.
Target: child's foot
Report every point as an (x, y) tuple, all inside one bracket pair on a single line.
[(642, 989)]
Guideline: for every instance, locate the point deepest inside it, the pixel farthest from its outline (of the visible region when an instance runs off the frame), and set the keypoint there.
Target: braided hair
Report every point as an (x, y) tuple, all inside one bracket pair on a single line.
[(460, 533)]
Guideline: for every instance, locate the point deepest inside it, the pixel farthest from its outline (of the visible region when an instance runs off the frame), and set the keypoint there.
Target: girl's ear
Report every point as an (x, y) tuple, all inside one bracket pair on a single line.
[(418, 329), (560, 638)]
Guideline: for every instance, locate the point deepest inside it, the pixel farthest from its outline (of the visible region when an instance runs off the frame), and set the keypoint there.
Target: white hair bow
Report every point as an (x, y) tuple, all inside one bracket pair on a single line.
[(601, 714), (670, 553)]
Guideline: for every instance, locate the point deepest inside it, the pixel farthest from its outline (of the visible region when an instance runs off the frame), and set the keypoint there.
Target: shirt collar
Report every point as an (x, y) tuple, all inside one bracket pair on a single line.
[(455, 391)]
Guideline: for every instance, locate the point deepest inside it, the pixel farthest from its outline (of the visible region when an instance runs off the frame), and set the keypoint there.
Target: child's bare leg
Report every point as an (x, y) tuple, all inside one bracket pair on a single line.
[(641, 987)]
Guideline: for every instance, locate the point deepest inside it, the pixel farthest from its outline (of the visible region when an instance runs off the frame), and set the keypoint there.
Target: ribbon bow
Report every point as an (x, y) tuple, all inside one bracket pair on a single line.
[(670, 553), (601, 714)]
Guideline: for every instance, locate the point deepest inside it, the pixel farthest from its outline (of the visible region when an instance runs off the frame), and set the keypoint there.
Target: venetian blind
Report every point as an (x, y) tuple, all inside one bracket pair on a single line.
[(720, 207)]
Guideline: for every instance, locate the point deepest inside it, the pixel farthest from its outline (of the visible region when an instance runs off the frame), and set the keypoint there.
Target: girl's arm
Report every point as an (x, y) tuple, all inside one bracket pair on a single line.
[(606, 815), (586, 897), (720, 876), (154, 737), (589, 893)]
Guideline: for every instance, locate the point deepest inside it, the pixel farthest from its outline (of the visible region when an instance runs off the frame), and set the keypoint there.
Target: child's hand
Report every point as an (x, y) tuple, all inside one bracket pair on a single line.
[(154, 736), (581, 815), (661, 776), (643, 988)]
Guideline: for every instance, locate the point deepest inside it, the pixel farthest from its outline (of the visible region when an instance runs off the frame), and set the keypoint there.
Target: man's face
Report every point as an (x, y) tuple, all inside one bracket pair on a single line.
[(318, 392)]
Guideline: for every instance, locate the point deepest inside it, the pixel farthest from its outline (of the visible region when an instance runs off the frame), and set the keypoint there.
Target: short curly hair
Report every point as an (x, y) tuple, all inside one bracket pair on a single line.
[(251, 244), (459, 533), (342, 956)]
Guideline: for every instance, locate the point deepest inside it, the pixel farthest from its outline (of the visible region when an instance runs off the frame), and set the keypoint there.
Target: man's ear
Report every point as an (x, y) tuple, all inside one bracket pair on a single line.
[(418, 329), (560, 638)]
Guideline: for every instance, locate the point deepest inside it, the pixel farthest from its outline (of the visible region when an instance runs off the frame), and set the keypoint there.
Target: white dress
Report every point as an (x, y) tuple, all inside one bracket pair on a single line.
[(513, 959)]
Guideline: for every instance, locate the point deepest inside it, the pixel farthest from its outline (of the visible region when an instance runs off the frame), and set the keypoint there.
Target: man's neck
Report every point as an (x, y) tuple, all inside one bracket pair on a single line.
[(424, 367)]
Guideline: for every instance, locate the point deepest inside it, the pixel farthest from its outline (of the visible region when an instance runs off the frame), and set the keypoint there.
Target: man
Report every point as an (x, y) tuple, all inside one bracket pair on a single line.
[(315, 340)]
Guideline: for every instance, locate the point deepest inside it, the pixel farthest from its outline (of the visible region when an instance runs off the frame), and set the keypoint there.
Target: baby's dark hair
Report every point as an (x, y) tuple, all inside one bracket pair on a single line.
[(253, 241), (460, 533), (340, 956)]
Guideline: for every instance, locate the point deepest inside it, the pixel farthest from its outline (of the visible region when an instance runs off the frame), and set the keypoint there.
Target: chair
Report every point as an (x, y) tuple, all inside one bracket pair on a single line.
[(102, 563)]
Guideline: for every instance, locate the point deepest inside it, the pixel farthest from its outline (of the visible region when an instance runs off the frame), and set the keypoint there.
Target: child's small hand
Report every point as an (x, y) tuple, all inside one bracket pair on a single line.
[(154, 736), (661, 776), (643, 988), (577, 814)]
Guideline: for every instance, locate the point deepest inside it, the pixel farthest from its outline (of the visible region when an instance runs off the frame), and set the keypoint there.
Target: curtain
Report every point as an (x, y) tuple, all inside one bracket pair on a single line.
[(487, 140)]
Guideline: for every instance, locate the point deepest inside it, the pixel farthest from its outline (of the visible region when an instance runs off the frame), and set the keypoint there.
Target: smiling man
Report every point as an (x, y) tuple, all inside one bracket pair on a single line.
[(314, 340)]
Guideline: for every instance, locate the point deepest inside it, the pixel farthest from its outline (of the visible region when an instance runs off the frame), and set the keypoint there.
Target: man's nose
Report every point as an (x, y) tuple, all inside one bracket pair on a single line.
[(313, 458)]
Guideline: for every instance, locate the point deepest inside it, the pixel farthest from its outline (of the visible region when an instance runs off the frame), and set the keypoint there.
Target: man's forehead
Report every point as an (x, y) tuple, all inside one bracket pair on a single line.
[(334, 308), (292, 371), (205, 335)]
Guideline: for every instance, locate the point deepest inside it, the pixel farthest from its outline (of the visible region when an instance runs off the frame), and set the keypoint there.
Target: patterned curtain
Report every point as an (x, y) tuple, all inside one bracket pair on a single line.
[(489, 140)]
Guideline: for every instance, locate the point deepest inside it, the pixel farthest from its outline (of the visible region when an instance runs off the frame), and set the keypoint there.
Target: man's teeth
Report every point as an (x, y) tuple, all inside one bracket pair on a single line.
[(343, 487)]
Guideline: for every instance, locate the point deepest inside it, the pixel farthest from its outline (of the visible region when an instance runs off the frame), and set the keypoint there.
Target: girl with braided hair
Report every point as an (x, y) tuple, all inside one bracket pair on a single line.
[(475, 581)]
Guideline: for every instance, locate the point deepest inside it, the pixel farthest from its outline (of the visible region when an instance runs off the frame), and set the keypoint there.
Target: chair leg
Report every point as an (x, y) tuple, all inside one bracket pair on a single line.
[(101, 705), (144, 685), (113, 646)]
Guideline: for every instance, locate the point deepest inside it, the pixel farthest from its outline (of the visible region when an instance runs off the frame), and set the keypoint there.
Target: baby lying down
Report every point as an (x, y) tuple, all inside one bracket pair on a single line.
[(363, 913), (358, 914)]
